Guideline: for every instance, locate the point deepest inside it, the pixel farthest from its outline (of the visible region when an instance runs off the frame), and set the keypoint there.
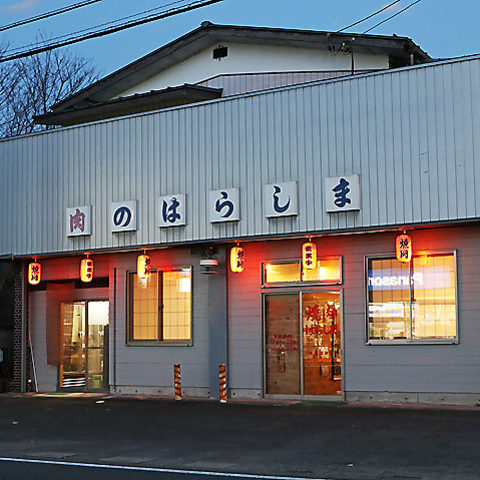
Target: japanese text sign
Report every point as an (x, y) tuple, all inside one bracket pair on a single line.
[(342, 194), (79, 221)]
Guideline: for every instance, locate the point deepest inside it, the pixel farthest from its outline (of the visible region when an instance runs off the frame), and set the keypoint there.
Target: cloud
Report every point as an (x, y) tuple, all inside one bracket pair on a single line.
[(19, 7), (394, 8)]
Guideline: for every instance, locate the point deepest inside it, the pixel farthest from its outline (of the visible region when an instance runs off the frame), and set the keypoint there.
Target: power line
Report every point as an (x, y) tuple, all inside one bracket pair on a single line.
[(370, 16), (108, 31), (46, 41), (389, 18), (48, 14)]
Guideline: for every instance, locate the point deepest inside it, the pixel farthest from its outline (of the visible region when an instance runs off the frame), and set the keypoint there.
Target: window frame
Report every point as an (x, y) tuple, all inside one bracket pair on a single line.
[(300, 282), (130, 341), (411, 341)]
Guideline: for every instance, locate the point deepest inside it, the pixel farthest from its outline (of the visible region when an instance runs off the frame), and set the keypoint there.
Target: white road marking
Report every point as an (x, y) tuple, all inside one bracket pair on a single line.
[(156, 470)]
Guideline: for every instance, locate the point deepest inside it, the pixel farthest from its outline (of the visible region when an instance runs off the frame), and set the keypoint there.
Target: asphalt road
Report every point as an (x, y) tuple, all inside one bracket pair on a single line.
[(20, 469), (300, 441)]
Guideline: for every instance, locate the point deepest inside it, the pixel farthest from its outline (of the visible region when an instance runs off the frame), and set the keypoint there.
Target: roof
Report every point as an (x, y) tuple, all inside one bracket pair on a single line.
[(402, 51), (137, 103)]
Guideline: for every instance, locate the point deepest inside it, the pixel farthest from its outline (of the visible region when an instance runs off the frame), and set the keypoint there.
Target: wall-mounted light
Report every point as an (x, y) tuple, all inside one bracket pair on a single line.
[(309, 255), (34, 273), (209, 266), (404, 248), (86, 270), (237, 259), (144, 266)]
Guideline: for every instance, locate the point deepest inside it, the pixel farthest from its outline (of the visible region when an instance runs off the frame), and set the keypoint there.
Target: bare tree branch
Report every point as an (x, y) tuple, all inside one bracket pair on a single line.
[(31, 85)]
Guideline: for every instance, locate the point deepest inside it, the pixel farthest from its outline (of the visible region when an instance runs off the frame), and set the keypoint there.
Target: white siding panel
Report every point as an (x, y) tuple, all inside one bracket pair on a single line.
[(410, 134)]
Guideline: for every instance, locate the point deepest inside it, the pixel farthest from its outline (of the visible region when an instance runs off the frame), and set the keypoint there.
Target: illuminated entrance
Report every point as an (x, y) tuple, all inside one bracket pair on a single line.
[(84, 346), (303, 344)]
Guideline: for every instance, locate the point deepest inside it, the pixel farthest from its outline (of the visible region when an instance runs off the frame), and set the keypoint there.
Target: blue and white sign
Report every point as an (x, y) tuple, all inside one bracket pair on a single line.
[(281, 199), (342, 194), (224, 205), (123, 216), (172, 210), (79, 221)]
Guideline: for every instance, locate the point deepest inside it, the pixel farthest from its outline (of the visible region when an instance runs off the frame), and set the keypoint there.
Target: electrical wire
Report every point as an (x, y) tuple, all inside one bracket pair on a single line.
[(389, 18), (11, 51), (370, 16), (108, 31), (48, 14)]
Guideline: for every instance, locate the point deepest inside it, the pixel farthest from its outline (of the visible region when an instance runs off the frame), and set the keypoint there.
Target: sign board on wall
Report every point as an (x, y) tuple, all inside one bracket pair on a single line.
[(281, 199), (123, 216), (171, 210), (342, 194), (224, 205), (79, 221)]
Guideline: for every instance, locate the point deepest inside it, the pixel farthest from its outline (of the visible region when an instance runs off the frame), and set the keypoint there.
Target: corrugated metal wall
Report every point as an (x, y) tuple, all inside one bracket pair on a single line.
[(410, 134), (421, 372), (253, 82)]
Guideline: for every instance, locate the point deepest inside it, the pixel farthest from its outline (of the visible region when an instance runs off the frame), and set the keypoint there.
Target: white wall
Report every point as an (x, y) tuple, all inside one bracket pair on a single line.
[(255, 59)]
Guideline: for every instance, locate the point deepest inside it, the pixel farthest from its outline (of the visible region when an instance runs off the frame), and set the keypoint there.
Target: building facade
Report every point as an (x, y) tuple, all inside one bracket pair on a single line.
[(308, 187)]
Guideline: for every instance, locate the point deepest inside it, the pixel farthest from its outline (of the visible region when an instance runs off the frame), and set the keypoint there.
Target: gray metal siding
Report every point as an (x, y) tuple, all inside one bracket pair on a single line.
[(237, 84), (152, 366), (410, 134), (446, 369)]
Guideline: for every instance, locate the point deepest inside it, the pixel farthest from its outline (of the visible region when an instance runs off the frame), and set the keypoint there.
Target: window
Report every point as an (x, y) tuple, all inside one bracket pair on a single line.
[(327, 271), (413, 301), (160, 307)]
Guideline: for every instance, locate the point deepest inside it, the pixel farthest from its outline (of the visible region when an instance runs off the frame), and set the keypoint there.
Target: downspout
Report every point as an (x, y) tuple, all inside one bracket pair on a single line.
[(115, 330), (23, 377)]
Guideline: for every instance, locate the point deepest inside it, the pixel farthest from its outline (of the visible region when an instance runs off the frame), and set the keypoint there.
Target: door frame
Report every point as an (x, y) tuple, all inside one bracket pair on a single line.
[(60, 388), (297, 290)]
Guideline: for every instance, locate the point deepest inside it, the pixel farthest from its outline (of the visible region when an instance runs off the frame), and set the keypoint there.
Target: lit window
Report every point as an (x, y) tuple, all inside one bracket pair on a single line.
[(327, 271), (412, 302), (160, 307)]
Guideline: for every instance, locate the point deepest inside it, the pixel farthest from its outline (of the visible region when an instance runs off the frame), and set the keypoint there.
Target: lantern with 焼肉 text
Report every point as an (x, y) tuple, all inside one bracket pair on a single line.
[(143, 266), (237, 259), (86, 270), (309, 255), (404, 248), (34, 273)]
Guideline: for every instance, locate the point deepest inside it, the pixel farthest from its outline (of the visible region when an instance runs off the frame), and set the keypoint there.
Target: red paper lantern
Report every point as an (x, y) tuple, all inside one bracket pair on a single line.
[(86, 270), (34, 273), (143, 266), (237, 259), (404, 248), (309, 255)]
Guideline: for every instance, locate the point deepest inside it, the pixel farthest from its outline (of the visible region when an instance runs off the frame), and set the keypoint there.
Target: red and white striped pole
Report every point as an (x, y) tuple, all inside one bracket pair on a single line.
[(222, 377), (178, 381)]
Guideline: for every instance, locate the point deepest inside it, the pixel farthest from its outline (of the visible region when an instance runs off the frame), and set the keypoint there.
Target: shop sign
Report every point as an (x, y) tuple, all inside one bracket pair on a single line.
[(342, 194), (79, 221), (224, 205), (280, 199), (429, 278), (123, 216), (172, 210)]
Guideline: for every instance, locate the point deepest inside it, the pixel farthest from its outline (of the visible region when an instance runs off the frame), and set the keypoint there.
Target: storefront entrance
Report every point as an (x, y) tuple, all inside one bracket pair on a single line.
[(84, 346), (303, 344)]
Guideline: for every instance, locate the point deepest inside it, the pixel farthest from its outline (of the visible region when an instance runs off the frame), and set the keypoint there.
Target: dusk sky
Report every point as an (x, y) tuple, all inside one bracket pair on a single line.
[(443, 28)]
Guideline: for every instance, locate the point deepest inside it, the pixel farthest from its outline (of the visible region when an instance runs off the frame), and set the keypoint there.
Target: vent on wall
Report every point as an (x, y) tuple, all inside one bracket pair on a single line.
[(220, 52)]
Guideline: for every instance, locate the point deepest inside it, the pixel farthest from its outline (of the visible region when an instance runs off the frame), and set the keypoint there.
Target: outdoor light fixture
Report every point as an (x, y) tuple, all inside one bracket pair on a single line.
[(209, 266), (86, 270), (237, 259), (143, 266), (404, 248), (34, 273), (309, 255)]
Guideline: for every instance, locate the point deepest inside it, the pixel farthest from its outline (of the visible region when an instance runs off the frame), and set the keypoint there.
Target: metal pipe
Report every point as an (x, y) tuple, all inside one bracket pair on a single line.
[(115, 330), (23, 375)]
